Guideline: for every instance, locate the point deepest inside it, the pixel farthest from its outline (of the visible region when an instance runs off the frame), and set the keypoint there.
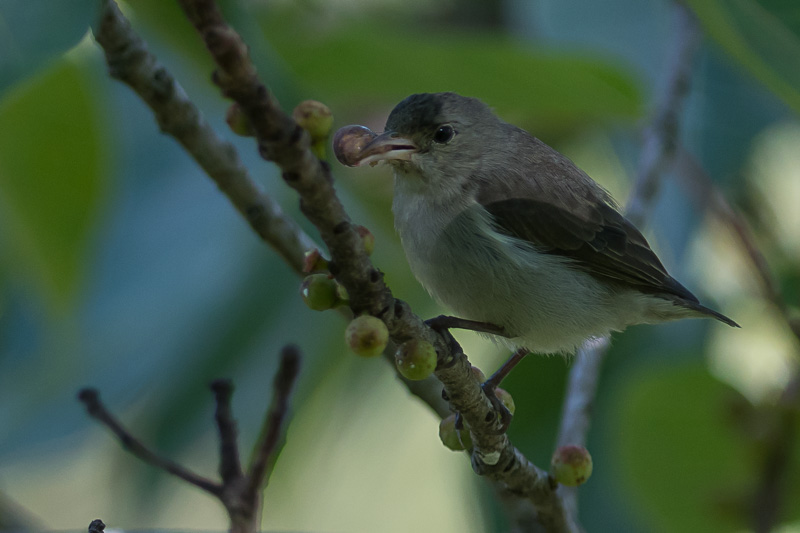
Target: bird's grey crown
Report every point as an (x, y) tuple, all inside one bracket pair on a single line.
[(426, 111)]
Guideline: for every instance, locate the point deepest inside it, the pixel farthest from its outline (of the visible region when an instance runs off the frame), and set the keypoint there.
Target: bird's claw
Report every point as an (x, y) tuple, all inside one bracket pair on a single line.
[(503, 414), (439, 326)]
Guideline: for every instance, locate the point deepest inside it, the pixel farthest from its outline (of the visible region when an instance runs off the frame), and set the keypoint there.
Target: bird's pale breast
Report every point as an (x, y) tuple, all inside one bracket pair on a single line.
[(482, 275)]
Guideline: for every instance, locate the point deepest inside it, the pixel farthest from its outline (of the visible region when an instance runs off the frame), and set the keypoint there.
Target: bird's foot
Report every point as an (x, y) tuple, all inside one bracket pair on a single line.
[(452, 344), (490, 388)]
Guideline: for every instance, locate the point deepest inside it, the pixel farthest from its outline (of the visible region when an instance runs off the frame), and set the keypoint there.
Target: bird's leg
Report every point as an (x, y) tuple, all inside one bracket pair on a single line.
[(490, 386), (494, 381)]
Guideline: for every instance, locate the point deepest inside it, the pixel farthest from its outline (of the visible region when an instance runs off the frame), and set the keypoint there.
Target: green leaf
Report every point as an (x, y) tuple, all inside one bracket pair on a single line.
[(763, 36), (682, 462), (34, 32), (50, 177), (368, 59)]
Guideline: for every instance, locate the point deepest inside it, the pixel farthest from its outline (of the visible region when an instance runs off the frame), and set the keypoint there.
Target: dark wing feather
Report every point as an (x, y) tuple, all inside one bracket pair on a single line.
[(600, 240)]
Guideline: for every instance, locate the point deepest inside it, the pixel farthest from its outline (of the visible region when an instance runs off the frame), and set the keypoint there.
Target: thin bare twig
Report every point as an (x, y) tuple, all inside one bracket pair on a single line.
[(96, 409), (708, 195), (581, 390), (240, 494), (658, 153), (272, 430), (770, 492), (230, 467), (660, 139)]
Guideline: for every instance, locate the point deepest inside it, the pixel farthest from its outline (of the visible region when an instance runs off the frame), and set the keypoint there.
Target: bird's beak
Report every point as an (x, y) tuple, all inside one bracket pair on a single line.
[(388, 146)]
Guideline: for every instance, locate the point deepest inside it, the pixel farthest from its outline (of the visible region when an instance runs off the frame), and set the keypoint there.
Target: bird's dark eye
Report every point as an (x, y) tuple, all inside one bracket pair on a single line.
[(444, 134)]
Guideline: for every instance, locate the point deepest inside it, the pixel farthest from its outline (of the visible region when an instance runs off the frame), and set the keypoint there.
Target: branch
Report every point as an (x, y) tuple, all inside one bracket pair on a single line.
[(130, 62), (660, 137), (96, 409), (660, 140), (272, 429), (281, 140), (230, 467), (707, 194), (581, 390), (769, 493), (240, 494)]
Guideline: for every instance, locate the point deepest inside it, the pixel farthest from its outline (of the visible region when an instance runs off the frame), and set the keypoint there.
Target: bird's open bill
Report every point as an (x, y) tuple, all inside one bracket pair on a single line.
[(388, 145)]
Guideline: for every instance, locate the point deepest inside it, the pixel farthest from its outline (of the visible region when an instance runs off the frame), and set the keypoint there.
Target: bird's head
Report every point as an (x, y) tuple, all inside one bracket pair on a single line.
[(436, 140)]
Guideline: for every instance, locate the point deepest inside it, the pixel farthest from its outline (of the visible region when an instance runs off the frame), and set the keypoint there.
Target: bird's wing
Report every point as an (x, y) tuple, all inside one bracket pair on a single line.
[(599, 239), (607, 246), (552, 204)]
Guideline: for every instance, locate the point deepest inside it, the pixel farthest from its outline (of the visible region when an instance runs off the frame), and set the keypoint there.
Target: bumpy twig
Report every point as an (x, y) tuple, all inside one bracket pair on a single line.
[(660, 139), (130, 62), (281, 140), (240, 493), (769, 493)]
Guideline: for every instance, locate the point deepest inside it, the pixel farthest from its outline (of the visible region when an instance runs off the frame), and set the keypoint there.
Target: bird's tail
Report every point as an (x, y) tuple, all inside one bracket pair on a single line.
[(710, 312)]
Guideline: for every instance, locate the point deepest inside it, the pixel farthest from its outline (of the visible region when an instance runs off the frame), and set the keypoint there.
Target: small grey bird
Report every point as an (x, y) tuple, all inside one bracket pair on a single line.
[(504, 230)]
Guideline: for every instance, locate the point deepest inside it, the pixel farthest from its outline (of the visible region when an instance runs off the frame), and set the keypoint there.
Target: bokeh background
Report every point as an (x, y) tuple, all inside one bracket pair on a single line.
[(124, 268)]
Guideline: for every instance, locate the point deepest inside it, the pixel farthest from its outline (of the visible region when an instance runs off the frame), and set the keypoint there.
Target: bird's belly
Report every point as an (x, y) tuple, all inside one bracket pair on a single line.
[(547, 305)]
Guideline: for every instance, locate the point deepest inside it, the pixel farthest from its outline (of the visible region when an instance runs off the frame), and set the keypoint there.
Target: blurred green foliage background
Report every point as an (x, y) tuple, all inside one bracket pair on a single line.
[(122, 266)]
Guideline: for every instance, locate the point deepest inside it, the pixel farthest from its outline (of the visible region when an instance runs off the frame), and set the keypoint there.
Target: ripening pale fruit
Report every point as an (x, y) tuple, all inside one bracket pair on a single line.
[(319, 292), (571, 465), (367, 336), (314, 117), (505, 397), (416, 359), (450, 436)]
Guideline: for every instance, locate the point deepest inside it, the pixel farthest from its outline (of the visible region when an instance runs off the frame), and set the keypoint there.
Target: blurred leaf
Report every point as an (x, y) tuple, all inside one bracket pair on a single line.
[(33, 32), (50, 176), (764, 36), (680, 455), (371, 58)]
